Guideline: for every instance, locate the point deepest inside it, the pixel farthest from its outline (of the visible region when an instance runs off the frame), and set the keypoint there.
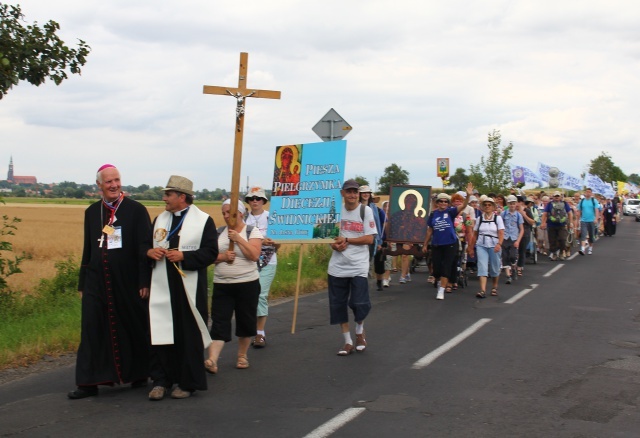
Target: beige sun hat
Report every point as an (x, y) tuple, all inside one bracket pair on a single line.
[(443, 196), (179, 184), (488, 199)]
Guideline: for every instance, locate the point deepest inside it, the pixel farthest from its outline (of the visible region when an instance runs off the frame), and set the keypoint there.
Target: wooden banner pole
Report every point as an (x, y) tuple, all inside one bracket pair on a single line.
[(295, 300)]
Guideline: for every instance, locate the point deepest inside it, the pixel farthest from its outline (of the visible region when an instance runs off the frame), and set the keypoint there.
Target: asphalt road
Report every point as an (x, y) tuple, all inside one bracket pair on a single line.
[(555, 355)]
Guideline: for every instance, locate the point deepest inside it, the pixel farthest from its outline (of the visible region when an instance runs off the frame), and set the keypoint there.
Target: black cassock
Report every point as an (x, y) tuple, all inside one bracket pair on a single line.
[(183, 362), (114, 343)]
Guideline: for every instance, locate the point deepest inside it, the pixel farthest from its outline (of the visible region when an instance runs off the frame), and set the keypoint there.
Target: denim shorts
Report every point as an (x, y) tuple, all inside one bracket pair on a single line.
[(348, 292)]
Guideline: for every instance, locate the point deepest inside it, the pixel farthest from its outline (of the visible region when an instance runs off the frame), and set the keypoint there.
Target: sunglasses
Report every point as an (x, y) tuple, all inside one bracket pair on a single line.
[(487, 204), (440, 201), (254, 198)]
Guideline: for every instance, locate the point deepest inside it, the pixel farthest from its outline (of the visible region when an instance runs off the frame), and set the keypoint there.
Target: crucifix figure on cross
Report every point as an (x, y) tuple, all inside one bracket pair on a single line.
[(240, 105), (240, 93)]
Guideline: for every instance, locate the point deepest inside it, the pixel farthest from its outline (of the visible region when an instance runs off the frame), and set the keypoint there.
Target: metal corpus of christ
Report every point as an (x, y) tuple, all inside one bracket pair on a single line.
[(241, 93)]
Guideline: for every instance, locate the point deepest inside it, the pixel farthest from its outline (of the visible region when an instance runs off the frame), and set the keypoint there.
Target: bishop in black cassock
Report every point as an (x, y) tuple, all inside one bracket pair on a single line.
[(114, 282)]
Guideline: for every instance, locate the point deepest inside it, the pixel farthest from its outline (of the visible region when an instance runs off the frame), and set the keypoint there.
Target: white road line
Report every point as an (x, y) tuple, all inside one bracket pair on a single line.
[(573, 256), (519, 295), (335, 423), (551, 272), (426, 360)]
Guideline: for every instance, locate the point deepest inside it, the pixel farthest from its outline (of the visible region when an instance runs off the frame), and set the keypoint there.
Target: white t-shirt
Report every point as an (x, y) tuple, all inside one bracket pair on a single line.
[(262, 222), (488, 230), (354, 260), (242, 269)]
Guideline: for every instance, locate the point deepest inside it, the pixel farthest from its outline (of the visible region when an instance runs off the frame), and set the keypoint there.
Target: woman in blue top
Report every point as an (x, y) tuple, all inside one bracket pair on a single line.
[(442, 235)]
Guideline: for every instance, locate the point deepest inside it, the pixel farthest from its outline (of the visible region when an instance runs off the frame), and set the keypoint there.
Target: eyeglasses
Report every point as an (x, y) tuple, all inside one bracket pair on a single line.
[(440, 201), (487, 204), (253, 198)]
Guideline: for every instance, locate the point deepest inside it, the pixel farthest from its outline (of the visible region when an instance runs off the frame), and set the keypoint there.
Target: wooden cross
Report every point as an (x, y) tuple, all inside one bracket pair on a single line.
[(240, 93)]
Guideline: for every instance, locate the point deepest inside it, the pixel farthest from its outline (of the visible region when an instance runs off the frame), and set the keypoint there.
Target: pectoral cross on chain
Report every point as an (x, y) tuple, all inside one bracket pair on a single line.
[(101, 240)]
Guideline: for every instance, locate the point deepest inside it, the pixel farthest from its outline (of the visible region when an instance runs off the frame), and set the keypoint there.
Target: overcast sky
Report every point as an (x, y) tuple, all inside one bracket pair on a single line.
[(417, 80)]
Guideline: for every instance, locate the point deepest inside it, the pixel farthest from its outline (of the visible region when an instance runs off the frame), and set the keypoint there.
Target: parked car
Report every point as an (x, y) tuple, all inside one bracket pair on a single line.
[(630, 206)]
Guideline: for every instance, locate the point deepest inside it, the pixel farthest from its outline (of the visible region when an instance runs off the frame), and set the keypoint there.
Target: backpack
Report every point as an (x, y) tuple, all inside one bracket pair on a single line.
[(248, 230), (593, 201), (558, 213), (495, 221)]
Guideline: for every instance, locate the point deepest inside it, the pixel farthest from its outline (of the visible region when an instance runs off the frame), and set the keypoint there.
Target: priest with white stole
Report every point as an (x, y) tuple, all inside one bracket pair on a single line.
[(183, 245)]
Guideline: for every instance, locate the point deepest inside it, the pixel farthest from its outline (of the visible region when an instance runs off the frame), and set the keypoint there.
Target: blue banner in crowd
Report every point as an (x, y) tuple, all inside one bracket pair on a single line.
[(305, 197)]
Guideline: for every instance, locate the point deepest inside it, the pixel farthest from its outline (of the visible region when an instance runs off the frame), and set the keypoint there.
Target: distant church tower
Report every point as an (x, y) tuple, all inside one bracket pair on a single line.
[(10, 174)]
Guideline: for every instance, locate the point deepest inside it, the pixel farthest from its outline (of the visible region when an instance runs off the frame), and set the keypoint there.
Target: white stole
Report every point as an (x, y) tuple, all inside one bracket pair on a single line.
[(160, 313)]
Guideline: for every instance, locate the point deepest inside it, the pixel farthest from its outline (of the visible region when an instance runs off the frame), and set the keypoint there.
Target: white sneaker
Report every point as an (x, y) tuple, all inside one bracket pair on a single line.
[(385, 283), (408, 277), (590, 250), (440, 295), (581, 250), (402, 280), (553, 257)]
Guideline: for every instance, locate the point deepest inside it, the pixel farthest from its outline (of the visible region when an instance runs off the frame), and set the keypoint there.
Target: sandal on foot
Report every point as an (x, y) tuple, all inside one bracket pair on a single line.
[(242, 362), (346, 350), (481, 294), (447, 289), (494, 292), (519, 272), (211, 366), (455, 287)]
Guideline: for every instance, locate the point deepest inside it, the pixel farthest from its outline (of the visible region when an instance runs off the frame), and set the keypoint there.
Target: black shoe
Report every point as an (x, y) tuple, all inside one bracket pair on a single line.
[(83, 392)]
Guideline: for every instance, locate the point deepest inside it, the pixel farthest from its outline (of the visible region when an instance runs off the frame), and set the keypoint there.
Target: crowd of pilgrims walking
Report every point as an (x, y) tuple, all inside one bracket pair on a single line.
[(143, 283)]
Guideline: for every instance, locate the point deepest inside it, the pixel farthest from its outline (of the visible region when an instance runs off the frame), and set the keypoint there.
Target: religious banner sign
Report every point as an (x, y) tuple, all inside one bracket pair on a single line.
[(443, 167), (409, 208), (517, 175), (305, 195)]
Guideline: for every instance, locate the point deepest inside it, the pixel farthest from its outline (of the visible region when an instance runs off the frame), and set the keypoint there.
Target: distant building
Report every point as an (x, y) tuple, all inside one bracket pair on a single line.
[(20, 180)]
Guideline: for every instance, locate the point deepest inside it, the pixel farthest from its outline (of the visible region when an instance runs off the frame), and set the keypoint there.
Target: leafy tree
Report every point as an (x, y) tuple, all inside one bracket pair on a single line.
[(393, 175), (33, 54), (362, 180), (8, 267), (459, 179), (493, 174), (634, 178), (603, 167)]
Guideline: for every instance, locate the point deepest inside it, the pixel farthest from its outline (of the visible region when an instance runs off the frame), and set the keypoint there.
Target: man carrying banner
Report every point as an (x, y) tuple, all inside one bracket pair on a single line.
[(349, 266)]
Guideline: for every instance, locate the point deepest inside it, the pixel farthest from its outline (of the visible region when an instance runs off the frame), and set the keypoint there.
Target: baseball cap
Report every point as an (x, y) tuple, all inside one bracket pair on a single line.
[(350, 184)]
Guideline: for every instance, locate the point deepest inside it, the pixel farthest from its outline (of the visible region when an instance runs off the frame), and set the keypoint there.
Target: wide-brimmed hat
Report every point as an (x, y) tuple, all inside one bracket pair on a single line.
[(365, 189), (488, 199), (512, 198), (443, 196), (255, 191), (179, 184), (529, 199)]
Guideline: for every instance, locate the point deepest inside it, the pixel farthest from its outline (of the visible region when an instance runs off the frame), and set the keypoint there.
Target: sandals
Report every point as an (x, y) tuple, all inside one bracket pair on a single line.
[(447, 289), (455, 287), (211, 366), (519, 272), (494, 292), (481, 294), (431, 279), (242, 362)]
